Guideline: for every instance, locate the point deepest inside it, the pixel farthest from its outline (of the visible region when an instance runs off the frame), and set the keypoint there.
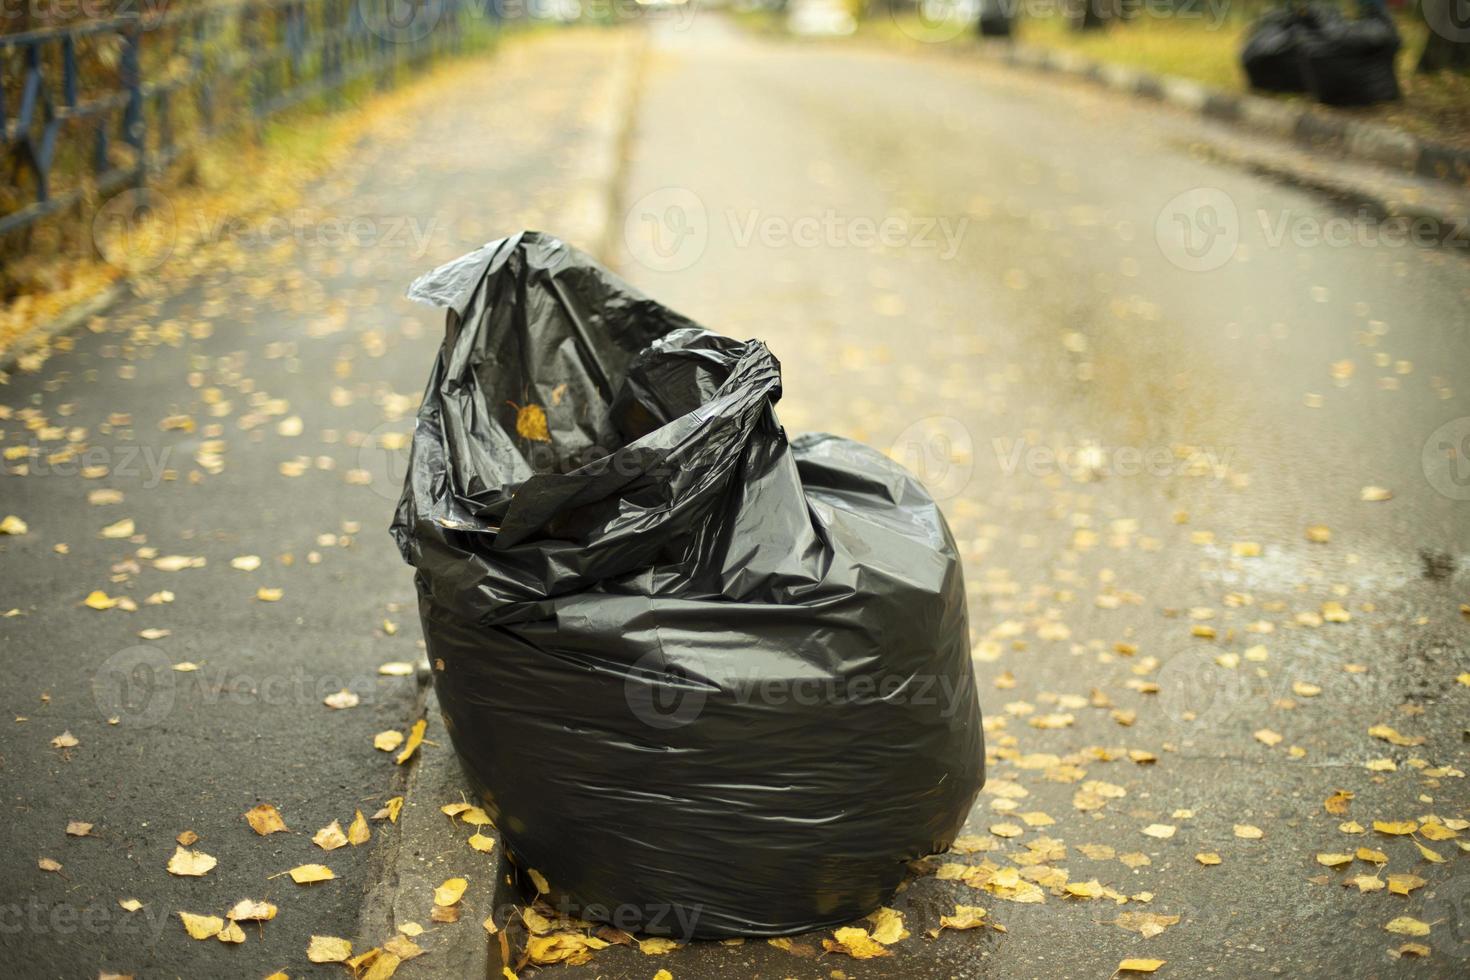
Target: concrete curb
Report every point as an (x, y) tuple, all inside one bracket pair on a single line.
[(86, 309), (430, 847), (1303, 125)]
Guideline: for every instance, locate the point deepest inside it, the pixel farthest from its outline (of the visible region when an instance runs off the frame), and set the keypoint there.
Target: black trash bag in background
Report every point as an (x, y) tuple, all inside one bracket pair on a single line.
[(1271, 55), (708, 682), (1350, 62)]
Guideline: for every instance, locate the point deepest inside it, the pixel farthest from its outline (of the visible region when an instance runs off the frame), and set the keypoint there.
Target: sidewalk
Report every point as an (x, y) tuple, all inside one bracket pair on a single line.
[(217, 457)]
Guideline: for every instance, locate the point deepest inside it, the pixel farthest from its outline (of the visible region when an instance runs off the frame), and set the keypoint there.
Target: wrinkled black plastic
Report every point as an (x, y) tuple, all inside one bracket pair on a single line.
[(710, 682), (1350, 62), (1313, 48), (1271, 55)]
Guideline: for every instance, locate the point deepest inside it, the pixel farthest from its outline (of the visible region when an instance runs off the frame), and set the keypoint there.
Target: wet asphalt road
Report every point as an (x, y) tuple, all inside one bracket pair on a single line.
[(1121, 392)]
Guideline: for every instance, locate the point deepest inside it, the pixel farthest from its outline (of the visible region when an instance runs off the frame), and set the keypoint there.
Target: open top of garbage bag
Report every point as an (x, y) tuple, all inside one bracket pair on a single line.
[(707, 681)]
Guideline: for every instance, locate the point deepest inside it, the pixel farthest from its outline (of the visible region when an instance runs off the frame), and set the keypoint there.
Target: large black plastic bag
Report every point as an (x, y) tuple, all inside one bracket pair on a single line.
[(709, 682), (1350, 62), (1272, 56)]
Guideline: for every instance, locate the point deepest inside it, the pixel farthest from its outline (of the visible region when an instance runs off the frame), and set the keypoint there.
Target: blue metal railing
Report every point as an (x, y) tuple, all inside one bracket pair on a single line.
[(199, 71)]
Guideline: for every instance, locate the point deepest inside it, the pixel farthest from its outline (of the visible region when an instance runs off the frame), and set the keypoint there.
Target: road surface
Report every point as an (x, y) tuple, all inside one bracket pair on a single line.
[(1141, 380)]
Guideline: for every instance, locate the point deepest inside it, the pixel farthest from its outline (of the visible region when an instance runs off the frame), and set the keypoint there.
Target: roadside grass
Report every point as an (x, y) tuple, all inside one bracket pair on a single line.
[(233, 179), (1434, 107)]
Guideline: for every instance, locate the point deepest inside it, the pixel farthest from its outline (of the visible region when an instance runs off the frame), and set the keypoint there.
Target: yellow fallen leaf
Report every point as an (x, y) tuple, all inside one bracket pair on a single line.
[(306, 874), (97, 599), (357, 962), (1139, 965), (1412, 949), (250, 910), (192, 864), (1337, 803), (1407, 926), (130, 904), (1334, 860), (245, 563), (387, 741), (415, 738), (1267, 737), (202, 926), (1428, 854), (1392, 736), (403, 947), (1395, 827), (482, 843), (571, 948), (395, 668), (531, 423), (1319, 533), (1246, 831), (1434, 830), (383, 966), (539, 880), (231, 933), (390, 810), (888, 927), (1403, 884), (656, 946), (122, 529), (328, 949), (269, 594), (330, 837), (450, 892), (342, 699), (964, 917), (78, 828), (265, 819), (13, 525), (358, 832), (1207, 858), (1374, 494), (1161, 831), (177, 563), (48, 864), (855, 942), (1146, 924)]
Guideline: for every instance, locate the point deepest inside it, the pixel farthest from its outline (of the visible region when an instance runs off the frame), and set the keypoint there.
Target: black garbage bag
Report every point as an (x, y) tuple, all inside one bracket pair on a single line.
[(1271, 55), (708, 681), (1350, 62)]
